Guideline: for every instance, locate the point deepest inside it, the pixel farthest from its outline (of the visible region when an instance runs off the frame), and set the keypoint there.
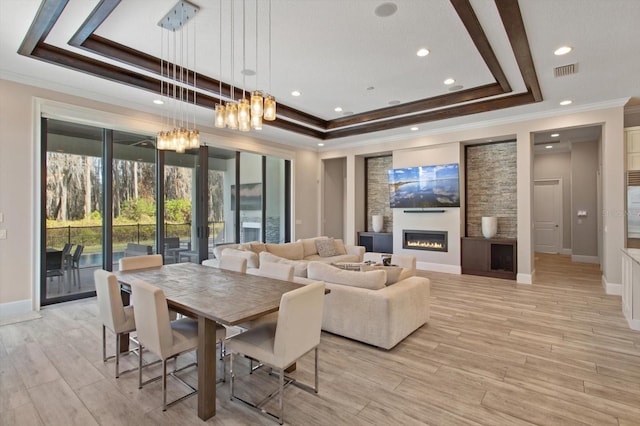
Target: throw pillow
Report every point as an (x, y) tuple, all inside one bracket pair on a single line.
[(326, 248), (340, 248), (309, 245), (258, 248), (299, 266)]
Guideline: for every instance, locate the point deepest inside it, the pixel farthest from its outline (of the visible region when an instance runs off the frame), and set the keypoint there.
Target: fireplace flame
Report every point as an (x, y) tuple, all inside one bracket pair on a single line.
[(425, 244)]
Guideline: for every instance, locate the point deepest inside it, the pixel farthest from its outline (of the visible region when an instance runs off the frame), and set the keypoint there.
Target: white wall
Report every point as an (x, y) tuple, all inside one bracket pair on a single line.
[(584, 168), (448, 221), (21, 106)]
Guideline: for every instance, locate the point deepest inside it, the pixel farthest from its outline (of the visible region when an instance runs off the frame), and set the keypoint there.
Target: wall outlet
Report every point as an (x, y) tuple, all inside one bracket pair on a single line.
[(3, 234)]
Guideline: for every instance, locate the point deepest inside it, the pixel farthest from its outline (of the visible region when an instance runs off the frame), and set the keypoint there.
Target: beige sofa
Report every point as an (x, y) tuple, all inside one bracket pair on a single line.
[(298, 254), (361, 307)]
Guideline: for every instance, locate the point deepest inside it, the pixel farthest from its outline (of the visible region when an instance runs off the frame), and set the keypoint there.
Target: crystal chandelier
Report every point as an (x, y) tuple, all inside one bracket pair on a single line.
[(175, 78), (244, 114)]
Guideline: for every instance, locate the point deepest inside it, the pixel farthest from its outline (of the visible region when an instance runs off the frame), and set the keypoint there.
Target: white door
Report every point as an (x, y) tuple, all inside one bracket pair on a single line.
[(547, 215)]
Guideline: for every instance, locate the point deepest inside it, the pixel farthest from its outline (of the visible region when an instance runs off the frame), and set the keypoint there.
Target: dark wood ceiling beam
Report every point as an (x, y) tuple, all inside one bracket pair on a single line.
[(514, 25), (428, 116), (472, 24), (45, 19), (93, 21), (417, 106)]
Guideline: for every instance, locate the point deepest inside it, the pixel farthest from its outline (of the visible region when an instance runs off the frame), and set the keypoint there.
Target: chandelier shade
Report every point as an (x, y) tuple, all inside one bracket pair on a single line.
[(245, 114), (175, 75)]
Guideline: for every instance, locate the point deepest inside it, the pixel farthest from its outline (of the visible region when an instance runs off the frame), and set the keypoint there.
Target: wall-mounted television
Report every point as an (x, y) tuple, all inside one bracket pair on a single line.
[(424, 186)]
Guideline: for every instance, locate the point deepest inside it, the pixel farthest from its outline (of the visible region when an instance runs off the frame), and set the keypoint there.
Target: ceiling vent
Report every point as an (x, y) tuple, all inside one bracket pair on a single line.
[(565, 70)]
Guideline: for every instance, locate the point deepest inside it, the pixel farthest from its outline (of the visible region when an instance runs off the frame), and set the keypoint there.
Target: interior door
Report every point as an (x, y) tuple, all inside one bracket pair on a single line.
[(547, 214)]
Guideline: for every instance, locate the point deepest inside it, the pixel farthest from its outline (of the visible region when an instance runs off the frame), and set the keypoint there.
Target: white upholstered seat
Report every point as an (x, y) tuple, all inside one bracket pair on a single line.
[(114, 315), (279, 345)]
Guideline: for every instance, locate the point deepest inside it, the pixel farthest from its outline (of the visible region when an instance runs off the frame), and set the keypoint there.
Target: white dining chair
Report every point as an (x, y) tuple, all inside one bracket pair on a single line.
[(140, 262), (278, 271), (233, 263), (114, 315), (165, 338), (279, 345)]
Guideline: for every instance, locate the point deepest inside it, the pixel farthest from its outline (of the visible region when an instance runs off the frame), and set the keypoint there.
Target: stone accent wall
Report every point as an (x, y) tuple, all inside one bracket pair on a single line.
[(491, 188), (378, 191)]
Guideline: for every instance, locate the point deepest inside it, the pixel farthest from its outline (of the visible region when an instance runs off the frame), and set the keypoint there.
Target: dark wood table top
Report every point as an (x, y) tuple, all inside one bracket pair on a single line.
[(227, 297)]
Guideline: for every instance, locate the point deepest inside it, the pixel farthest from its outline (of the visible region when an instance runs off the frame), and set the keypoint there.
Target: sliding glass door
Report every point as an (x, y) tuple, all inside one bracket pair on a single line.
[(100, 196)]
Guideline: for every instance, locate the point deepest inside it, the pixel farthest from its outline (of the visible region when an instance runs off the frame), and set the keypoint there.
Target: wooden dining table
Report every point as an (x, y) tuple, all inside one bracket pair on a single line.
[(211, 296)]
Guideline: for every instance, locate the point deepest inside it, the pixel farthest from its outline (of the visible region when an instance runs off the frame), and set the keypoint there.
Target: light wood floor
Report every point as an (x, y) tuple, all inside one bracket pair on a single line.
[(494, 353)]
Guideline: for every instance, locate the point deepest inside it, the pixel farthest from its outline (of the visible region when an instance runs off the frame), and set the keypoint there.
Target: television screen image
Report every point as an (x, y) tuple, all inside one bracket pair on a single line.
[(424, 186)]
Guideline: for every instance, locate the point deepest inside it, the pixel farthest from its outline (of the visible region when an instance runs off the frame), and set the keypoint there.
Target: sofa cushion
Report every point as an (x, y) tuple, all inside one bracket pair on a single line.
[(326, 247), (393, 272), (291, 251), (299, 266), (373, 280), (252, 259)]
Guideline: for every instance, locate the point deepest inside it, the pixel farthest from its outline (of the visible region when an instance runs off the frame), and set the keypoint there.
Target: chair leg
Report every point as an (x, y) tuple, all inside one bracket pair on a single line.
[(117, 355), (316, 368), (139, 365), (281, 403), (232, 374), (104, 344), (164, 385)]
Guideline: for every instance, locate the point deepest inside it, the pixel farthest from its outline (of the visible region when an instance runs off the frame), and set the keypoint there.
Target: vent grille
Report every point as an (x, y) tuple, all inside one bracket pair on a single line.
[(565, 70), (633, 178)]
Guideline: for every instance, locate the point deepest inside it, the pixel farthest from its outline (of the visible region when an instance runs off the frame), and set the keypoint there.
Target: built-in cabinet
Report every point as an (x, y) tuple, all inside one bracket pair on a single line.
[(381, 242), (632, 137), (489, 257), (631, 287)]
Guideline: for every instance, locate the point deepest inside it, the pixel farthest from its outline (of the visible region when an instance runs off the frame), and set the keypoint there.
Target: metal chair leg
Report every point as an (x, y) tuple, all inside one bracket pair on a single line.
[(316, 368), (139, 365), (281, 403), (104, 344), (117, 355), (164, 385)]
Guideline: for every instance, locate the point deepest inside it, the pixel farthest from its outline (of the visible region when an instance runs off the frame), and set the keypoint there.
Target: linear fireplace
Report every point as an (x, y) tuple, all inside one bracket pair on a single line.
[(425, 240)]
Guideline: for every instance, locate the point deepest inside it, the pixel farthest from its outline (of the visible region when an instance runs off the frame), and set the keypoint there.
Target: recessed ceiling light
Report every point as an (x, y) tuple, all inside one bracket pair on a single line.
[(248, 72), (449, 81), (386, 9), (562, 50), (394, 102), (549, 146), (320, 144), (566, 102), (338, 109), (370, 88), (296, 93), (422, 52), (158, 101), (413, 129), (555, 135)]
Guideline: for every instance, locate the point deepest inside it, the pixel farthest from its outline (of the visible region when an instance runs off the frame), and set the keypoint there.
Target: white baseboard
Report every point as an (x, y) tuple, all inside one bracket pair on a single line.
[(612, 289), (524, 278), (438, 267), (565, 251), (634, 324), (585, 259), (15, 308)]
